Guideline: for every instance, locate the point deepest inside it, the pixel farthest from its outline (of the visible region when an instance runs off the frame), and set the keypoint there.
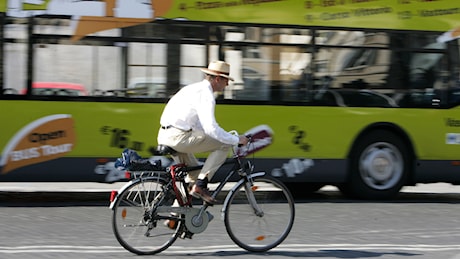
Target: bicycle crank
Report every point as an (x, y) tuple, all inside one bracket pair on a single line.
[(195, 221)]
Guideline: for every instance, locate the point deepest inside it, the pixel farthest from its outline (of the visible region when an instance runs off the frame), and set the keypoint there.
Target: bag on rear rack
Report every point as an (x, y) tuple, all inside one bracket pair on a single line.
[(130, 160)]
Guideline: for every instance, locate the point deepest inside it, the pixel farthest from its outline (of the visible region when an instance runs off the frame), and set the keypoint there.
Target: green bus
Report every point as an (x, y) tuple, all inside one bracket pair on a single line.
[(362, 95)]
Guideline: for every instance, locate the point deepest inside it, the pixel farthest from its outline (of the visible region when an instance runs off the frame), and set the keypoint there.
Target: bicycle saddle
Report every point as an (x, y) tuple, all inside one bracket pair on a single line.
[(164, 150)]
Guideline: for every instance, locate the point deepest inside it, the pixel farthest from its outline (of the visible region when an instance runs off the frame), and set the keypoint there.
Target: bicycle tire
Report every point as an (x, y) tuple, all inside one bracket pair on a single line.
[(134, 229), (260, 233)]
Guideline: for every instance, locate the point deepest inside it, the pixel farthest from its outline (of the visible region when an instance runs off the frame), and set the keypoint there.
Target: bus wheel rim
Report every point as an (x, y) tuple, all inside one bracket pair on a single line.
[(381, 166)]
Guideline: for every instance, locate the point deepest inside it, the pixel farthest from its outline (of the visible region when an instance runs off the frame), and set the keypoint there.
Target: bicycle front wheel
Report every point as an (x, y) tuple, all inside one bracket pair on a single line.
[(139, 229), (259, 217)]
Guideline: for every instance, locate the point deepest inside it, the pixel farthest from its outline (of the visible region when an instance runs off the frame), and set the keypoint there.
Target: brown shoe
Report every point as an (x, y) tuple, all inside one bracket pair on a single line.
[(202, 193), (170, 223)]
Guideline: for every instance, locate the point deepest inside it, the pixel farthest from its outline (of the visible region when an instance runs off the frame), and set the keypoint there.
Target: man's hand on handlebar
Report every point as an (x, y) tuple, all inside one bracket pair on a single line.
[(243, 140)]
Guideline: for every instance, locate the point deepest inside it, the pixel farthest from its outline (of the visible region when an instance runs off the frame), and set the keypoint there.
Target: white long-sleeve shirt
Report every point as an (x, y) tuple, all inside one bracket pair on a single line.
[(193, 108)]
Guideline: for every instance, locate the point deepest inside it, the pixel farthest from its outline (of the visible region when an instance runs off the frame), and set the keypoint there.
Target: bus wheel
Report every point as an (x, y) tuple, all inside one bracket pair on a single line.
[(379, 166)]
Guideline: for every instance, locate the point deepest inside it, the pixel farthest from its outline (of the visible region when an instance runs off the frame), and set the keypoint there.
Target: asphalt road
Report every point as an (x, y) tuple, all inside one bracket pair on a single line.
[(415, 225)]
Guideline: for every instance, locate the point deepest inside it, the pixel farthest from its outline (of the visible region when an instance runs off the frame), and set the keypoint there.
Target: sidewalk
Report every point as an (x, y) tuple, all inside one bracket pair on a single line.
[(59, 186), (56, 192), (108, 187)]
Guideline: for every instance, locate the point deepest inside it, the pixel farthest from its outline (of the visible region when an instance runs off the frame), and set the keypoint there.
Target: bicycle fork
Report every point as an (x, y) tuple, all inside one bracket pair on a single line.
[(249, 187)]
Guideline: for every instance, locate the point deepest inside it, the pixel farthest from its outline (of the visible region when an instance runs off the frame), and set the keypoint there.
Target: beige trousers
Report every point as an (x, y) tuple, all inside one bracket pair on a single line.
[(191, 142)]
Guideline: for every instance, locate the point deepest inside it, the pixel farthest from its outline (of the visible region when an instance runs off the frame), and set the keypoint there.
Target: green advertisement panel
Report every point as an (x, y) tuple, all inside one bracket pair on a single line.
[(439, 15)]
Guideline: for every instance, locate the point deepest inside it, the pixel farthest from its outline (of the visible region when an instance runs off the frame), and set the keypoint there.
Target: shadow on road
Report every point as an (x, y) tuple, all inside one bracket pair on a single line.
[(330, 253)]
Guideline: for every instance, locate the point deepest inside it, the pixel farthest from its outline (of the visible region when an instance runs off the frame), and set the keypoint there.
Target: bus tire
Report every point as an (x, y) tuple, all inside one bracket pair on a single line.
[(379, 166)]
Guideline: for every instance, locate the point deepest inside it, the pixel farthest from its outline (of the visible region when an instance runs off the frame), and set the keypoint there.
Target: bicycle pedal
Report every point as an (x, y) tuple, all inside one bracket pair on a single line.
[(186, 234)]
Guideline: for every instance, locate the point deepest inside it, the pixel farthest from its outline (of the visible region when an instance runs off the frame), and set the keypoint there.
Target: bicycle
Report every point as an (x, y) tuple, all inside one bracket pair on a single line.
[(155, 208)]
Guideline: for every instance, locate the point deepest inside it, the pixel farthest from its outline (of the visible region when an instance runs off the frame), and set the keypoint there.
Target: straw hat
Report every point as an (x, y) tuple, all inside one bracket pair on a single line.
[(218, 68)]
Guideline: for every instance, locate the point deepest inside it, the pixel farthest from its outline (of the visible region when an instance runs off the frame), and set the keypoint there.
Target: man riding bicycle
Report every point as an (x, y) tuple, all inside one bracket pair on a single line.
[(188, 125)]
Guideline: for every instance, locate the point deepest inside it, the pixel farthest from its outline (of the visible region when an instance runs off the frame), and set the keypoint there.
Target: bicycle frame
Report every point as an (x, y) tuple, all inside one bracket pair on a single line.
[(185, 201), (237, 168)]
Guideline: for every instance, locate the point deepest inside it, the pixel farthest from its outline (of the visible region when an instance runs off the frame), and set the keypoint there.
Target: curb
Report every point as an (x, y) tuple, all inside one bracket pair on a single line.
[(15, 197)]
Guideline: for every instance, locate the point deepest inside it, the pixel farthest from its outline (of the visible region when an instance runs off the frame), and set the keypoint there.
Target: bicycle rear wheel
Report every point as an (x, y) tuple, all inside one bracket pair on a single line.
[(135, 228), (262, 218)]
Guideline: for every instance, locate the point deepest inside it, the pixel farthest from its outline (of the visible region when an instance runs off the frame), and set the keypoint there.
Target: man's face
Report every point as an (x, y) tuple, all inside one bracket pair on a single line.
[(221, 83)]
